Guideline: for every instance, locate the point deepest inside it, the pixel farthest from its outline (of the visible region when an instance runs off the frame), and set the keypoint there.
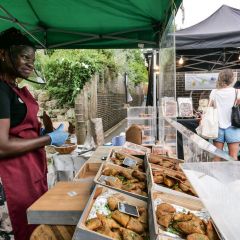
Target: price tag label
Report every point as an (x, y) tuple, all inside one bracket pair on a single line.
[(72, 193), (129, 162), (128, 209), (104, 178)]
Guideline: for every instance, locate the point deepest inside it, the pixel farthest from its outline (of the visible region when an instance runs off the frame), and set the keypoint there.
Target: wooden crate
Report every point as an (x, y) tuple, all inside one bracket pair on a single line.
[(103, 166), (61, 205), (82, 232), (87, 172), (191, 204)]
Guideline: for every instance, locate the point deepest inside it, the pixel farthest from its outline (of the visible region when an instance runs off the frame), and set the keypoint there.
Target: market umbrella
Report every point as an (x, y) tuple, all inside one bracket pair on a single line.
[(89, 24)]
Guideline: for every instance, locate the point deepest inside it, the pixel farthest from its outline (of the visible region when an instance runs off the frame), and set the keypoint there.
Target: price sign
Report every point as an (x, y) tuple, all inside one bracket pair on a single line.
[(104, 178), (129, 162), (128, 209)]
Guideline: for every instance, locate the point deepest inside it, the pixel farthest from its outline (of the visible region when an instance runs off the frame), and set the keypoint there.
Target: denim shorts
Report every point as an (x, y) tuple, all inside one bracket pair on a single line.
[(228, 135)]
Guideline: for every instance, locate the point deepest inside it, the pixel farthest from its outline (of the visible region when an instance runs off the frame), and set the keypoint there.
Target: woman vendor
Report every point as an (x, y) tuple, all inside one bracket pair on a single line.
[(23, 166)]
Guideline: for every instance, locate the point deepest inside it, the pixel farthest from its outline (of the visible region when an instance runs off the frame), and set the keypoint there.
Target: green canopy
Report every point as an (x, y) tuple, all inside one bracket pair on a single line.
[(89, 23)]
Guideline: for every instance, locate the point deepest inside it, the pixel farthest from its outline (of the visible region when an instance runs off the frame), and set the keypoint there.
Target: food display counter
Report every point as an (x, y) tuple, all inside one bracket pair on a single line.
[(152, 184)]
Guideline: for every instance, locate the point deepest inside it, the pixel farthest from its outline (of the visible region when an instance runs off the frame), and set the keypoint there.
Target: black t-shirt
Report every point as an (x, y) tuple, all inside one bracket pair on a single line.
[(11, 106)]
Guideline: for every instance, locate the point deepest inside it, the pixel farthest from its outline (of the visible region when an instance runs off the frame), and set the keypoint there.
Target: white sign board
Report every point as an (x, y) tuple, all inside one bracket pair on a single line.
[(200, 81)]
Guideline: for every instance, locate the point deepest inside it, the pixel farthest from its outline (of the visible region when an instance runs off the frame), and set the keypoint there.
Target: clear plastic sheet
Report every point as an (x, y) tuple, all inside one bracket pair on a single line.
[(195, 148), (144, 117), (218, 186)]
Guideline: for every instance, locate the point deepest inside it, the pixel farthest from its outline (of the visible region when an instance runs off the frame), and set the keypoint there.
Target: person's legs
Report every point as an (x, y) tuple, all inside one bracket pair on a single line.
[(233, 141), (233, 150), (219, 142), (218, 145)]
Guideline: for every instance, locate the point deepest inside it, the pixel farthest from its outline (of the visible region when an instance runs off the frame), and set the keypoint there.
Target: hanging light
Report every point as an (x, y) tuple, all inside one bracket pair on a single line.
[(181, 61)]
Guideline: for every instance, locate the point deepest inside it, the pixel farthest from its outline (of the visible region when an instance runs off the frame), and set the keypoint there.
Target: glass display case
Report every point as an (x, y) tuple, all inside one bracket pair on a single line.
[(218, 186), (145, 117), (194, 148)]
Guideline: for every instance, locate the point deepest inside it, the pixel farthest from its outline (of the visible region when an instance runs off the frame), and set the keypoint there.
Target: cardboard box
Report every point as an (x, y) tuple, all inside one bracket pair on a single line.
[(110, 165), (138, 160), (135, 149), (191, 204), (61, 205), (87, 172), (82, 232), (162, 187)]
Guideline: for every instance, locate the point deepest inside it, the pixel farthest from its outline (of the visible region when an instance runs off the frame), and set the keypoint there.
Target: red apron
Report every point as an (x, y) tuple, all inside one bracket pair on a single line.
[(24, 177)]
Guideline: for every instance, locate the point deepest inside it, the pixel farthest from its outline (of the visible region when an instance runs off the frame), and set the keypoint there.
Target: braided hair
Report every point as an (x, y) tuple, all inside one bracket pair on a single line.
[(13, 37)]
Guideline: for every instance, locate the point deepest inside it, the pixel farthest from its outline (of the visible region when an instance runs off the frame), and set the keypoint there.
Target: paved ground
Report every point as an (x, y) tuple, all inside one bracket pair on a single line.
[(115, 131), (118, 128)]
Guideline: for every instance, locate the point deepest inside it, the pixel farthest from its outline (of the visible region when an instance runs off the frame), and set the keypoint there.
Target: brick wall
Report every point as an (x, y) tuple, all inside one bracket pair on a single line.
[(181, 92), (110, 107), (180, 88)]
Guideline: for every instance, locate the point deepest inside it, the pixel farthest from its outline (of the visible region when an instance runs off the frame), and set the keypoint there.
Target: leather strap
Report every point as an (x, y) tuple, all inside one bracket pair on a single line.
[(235, 102)]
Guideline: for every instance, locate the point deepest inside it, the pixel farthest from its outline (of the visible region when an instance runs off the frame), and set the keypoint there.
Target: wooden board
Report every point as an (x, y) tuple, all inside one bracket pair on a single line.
[(87, 172), (47, 232), (82, 232), (61, 205)]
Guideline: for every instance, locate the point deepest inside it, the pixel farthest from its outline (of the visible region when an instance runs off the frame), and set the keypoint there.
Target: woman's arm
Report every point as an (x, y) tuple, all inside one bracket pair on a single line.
[(10, 146), (238, 97)]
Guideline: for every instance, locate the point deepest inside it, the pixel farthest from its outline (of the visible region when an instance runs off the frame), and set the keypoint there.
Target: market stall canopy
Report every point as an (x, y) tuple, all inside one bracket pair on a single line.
[(212, 43), (89, 24)]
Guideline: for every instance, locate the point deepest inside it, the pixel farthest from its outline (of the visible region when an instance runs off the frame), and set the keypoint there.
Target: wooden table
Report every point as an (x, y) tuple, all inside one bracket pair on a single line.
[(100, 152), (57, 211)]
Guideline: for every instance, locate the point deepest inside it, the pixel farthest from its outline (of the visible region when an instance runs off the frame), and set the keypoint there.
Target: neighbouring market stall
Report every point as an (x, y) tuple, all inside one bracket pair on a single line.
[(147, 177), (211, 44)]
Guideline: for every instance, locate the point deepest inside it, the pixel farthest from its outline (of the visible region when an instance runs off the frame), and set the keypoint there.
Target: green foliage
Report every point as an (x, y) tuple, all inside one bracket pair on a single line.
[(137, 70), (66, 71), (131, 61)]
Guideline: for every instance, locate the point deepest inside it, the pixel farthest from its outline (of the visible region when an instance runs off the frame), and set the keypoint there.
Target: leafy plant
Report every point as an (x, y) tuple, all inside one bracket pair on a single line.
[(67, 71)]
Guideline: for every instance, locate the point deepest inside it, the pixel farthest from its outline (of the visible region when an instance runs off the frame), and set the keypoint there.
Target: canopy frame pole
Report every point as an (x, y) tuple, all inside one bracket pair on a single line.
[(14, 21), (72, 32), (227, 66), (197, 69), (21, 26), (215, 64), (98, 37), (128, 39), (72, 42), (207, 61)]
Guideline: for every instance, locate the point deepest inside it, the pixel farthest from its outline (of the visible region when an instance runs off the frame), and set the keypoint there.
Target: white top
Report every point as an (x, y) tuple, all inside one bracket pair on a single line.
[(224, 99)]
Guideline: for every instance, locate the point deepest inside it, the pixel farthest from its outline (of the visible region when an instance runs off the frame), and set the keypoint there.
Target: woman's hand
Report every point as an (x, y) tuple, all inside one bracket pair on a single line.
[(58, 137)]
